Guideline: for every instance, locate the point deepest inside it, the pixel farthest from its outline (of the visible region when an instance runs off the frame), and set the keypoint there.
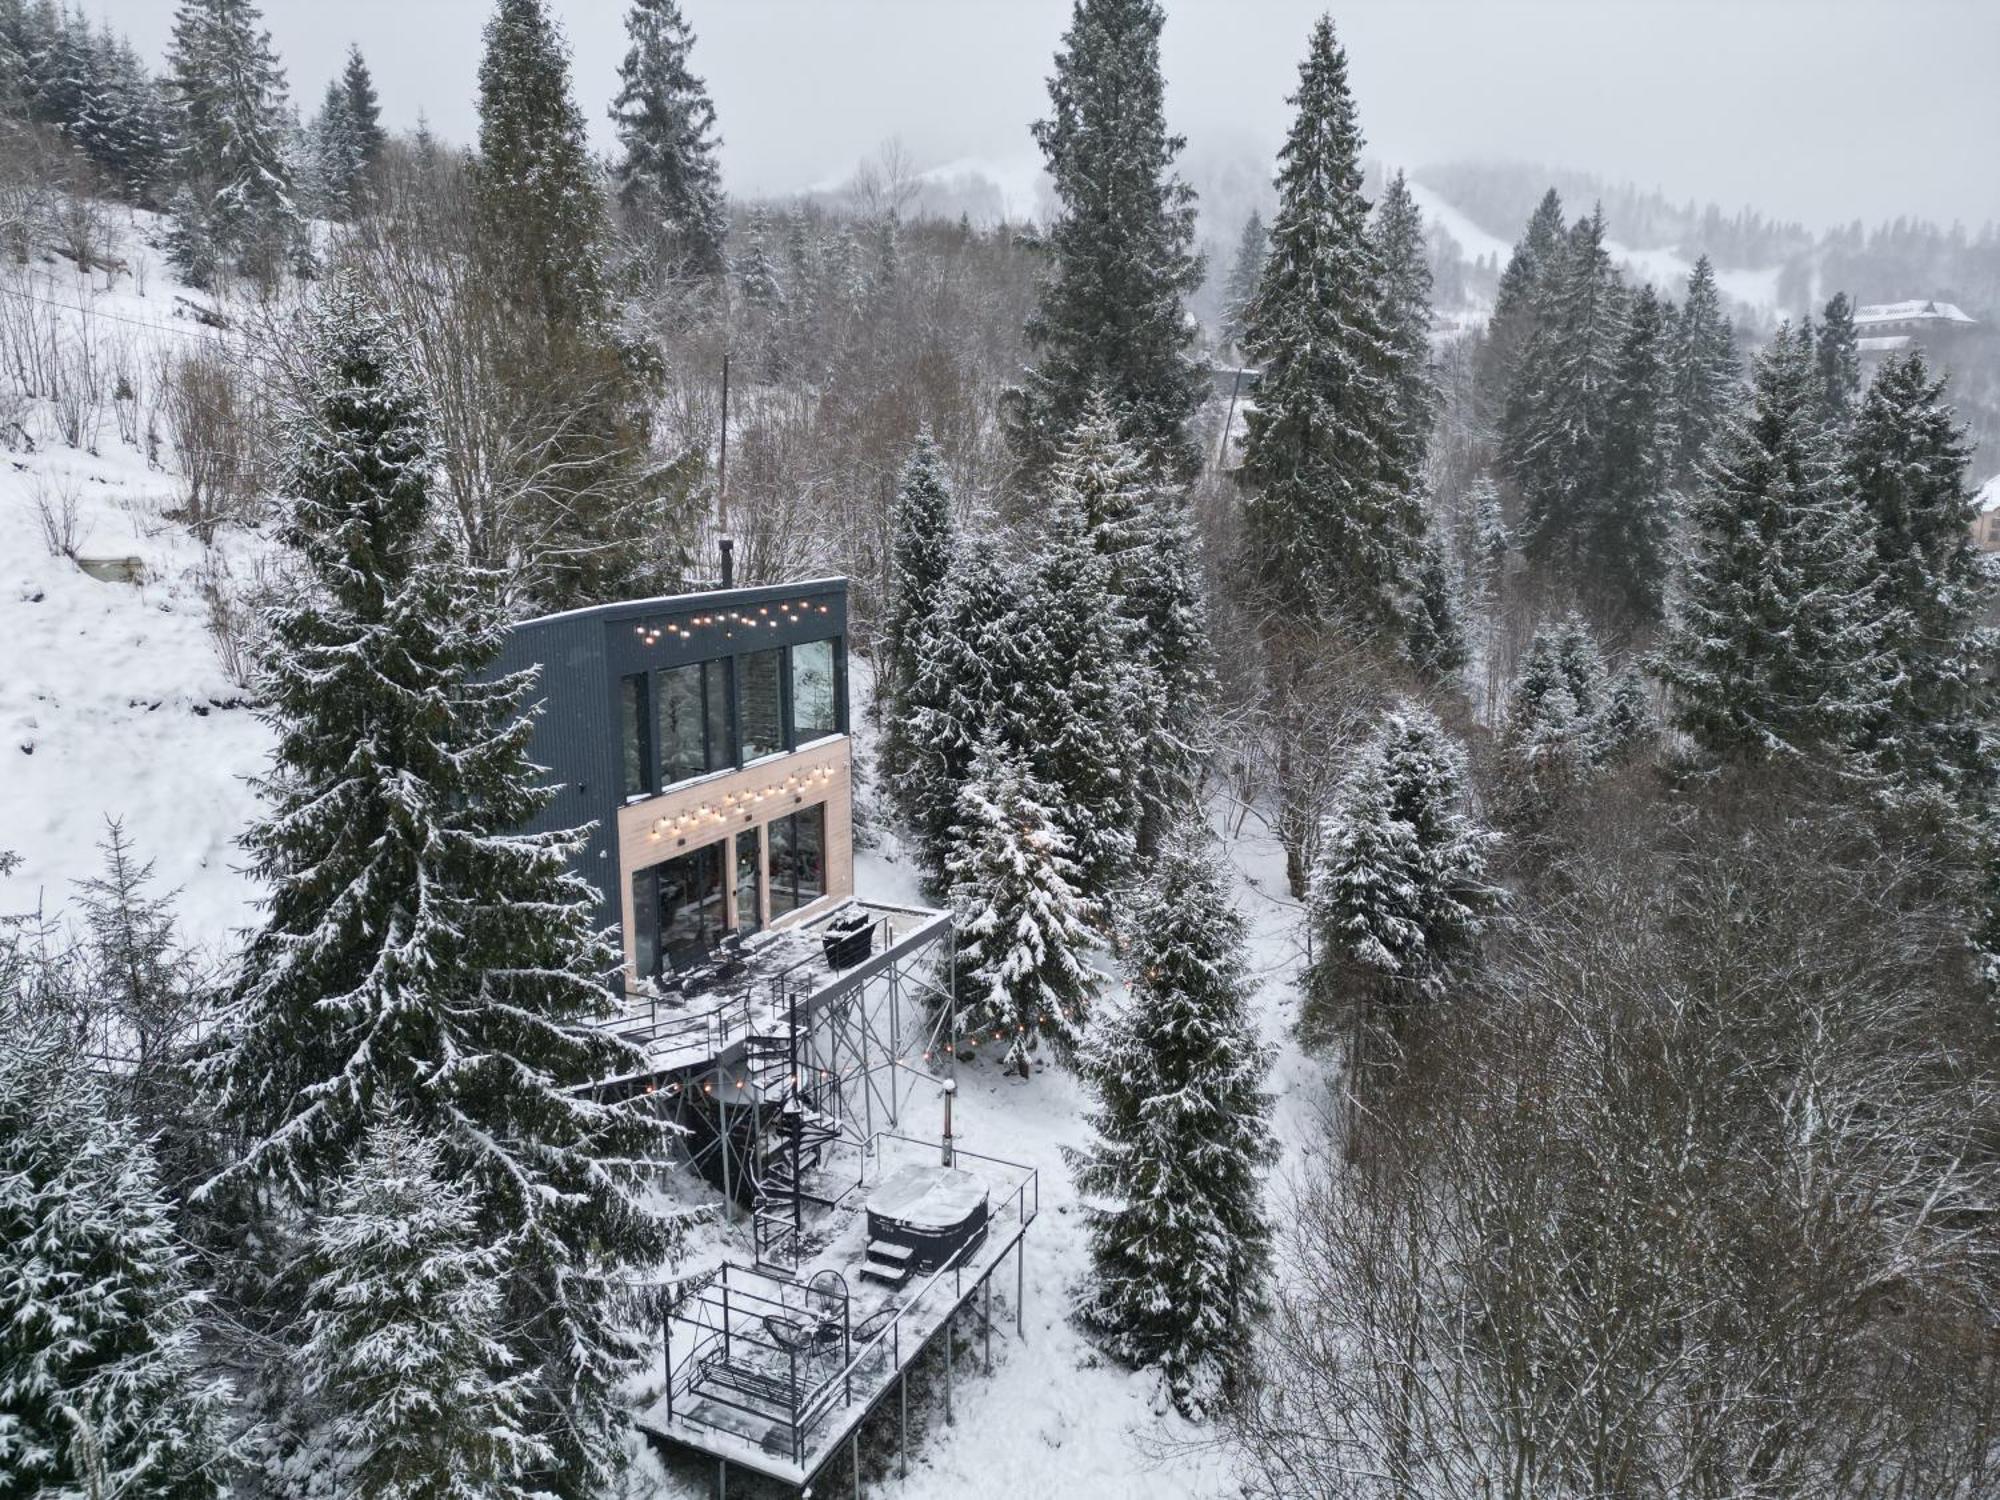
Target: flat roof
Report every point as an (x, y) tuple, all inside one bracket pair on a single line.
[(626, 609)]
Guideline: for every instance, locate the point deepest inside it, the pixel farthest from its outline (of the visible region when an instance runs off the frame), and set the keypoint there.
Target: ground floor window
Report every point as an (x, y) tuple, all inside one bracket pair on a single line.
[(798, 859), (678, 910), (749, 865)]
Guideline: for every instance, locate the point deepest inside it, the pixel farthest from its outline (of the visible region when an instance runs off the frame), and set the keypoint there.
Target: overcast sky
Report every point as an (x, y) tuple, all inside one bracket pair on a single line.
[(1820, 110)]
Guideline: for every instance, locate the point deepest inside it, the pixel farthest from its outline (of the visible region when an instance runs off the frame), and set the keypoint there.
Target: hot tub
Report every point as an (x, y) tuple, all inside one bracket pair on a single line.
[(929, 1212)]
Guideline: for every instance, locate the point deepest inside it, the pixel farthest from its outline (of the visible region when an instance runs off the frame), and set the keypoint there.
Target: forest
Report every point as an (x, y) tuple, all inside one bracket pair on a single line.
[(1466, 788)]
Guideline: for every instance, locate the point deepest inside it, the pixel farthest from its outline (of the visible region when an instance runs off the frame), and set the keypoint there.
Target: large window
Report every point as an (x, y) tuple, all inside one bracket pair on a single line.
[(762, 698), (692, 915), (749, 917), (635, 731), (694, 720), (798, 859), (815, 709)]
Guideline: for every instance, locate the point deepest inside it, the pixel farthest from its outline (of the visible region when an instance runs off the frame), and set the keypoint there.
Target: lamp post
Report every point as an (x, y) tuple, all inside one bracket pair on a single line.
[(950, 1088)]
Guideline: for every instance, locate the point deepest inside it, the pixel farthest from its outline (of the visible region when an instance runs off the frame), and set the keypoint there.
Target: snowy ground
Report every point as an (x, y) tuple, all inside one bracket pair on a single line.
[(113, 702)]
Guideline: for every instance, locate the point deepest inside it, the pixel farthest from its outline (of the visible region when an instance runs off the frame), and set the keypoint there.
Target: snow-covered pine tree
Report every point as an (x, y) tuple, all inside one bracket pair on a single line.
[(1627, 719), (920, 555), (230, 127), (417, 949), (100, 1386), (1705, 376), (364, 109), (1631, 522), (139, 969), (1559, 728), (669, 177), (1567, 377), (1398, 231), (1112, 314), (1906, 458), (417, 1395), (1244, 273), (1087, 703), (1334, 518), (1776, 649), (972, 673), (1398, 894), (1435, 643), (1517, 307), (1839, 359), (333, 155), (1020, 919), (757, 267), (1179, 1241)]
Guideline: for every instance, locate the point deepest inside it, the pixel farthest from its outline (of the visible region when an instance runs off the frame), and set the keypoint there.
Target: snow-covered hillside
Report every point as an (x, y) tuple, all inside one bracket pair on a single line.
[(114, 700)]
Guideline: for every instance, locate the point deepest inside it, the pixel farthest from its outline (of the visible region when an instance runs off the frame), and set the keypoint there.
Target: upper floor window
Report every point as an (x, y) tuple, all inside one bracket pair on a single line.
[(762, 702), (635, 734), (815, 705), (694, 720)]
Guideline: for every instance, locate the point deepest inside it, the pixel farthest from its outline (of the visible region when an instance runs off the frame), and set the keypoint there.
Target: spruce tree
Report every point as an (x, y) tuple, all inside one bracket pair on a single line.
[(1630, 526), (1245, 271), (669, 177), (419, 1397), (418, 952), (1435, 644), (1567, 376), (100, 1385), (1705, 376), (1112, 313), (1839, 358), (364, 110), (1560, 720), (1776, 651), (226, 104), (1517, 307), (1019, 917), (1334, 520), (920, 553), (1083, 701), (1398, 893), (972, 675), (1180, 1245), (1906, 459), (333, 152), (1398, 231)]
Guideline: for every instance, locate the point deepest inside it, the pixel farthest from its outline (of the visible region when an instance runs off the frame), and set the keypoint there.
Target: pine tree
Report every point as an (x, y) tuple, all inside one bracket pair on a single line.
[(1245, 271), (1019, 917), (920, 567), (1334, 520), (333, 152), (138, 966), (1631, 525), (1839, 358), (1180, 1246), (230, 127), (1563, 720), (972, 675), (1705, 377), (1906, 461), (1111, 316), (1398, 893), (419, 1397), (418, 952), (1517, 307), (1398, 231), (757, 269), (1776, 652), (100, 1391), (1567, 377), (669, 177), (1436, 641)]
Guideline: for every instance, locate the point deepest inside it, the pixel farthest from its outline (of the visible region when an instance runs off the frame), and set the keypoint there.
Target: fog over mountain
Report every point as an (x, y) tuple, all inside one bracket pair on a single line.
[(1821, 113)]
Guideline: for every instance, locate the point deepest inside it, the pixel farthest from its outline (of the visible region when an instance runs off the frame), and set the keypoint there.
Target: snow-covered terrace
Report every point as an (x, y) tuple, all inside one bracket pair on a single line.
[(756, 994), (774, 1374)]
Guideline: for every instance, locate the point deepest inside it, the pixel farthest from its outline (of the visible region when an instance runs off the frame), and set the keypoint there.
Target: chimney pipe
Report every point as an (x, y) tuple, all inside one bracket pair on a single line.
[(728, 546)]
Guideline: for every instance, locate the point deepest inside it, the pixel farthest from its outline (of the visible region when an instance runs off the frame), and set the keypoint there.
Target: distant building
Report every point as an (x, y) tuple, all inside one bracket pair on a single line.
[(1885, 329), (1986, 516)]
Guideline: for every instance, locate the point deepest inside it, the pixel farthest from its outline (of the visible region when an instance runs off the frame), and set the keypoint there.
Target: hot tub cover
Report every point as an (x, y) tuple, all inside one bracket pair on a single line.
[(928, 1197)]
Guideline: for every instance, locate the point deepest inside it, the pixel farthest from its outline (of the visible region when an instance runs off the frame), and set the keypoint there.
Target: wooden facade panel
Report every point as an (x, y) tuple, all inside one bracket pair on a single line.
[(717, 808)]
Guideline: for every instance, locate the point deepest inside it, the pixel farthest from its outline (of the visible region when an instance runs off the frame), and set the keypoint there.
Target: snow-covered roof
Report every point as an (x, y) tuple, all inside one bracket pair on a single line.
[(1986, 499), (1909, 312)]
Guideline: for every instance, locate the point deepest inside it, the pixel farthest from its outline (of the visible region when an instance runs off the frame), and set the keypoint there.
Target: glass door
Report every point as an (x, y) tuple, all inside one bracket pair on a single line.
[(749, 888)]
